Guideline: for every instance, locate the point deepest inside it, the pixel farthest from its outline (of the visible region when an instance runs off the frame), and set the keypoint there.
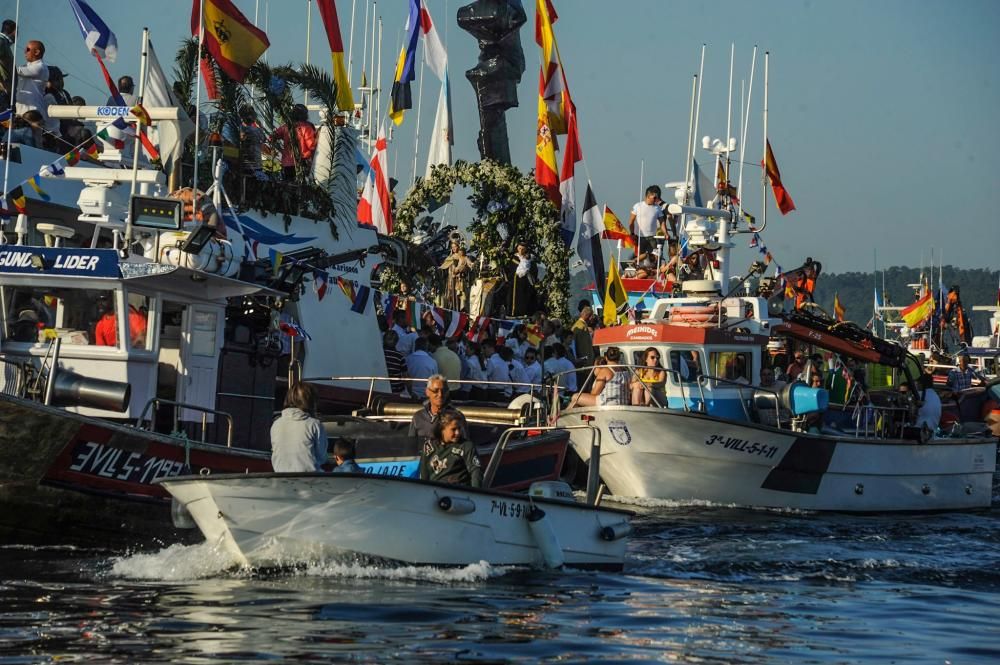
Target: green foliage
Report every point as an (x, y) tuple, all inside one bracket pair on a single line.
[(856, 289), (510, 207)]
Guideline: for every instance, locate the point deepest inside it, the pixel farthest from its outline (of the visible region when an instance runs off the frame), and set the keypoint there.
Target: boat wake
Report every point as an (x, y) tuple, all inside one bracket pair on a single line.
[(204, 560)]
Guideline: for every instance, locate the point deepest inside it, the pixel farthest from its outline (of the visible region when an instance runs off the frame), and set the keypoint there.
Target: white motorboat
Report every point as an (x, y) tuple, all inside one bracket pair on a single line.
[(267, 519)]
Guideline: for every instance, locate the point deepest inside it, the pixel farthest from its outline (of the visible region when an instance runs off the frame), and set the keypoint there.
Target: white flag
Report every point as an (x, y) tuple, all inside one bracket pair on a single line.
[(434, 53), (157, 92), (442, 136)]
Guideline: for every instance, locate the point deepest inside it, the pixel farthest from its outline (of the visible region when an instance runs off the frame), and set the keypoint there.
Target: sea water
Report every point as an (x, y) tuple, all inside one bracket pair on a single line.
[(702, 583)]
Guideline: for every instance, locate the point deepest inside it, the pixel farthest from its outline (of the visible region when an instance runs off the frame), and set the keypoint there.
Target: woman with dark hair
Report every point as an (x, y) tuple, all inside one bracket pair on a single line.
[(305, 136), (298, 438), (449, 457), (650, 380), (611, 384)]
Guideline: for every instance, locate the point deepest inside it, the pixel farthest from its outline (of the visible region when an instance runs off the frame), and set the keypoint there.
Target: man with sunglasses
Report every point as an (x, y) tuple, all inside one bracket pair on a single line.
[(32, 79), (438, 402)]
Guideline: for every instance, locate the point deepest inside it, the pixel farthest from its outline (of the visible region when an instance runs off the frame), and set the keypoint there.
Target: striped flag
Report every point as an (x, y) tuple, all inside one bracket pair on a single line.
[(480, 329), (406, 71), (96, 33), (347, 287), (374, 208), (361, 299), (781, 197), (293, 329), (389, 307), (588, 245), (328, 12), (232, 40), (553, 91), (35, 183), (320, 283), (434, 53), (456, 325), (141, 114), (504, 329), (18, 200), (918, 312)]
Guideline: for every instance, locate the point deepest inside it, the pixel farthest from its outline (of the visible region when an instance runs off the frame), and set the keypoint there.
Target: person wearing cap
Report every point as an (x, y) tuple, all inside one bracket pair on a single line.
[(25, 329)]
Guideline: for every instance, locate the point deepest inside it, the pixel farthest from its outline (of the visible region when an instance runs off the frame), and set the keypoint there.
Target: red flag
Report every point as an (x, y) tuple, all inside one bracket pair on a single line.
[(781, 197), (545, 151)]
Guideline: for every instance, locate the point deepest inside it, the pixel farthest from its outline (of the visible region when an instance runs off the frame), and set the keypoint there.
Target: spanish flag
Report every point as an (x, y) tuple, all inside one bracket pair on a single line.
[(838, 308), (141, 114), (546, 174), (230, 38), (328, 12), (615, 230), (781, 197), (615, 297), (919, 311)]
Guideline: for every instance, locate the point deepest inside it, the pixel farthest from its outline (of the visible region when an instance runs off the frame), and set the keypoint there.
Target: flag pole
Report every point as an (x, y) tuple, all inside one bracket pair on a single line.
[(688, 159), (697, 113), (378, 78), (420, 98), (350, 48), (763, 178), (372, 97), (197, 103), (13, 97), (137, 149), (309, 18), (746, 127)]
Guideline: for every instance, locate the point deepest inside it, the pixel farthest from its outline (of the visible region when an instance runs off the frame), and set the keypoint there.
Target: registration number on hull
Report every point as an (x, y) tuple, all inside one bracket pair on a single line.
[(741, 445)]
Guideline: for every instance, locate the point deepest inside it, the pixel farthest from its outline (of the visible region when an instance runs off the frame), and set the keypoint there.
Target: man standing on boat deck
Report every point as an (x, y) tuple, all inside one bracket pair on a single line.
[(438, 402), (646, 219)]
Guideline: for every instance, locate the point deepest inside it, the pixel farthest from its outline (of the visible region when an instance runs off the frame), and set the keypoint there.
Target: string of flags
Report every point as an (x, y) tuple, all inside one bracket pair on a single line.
[(758, 242), (54, 169)]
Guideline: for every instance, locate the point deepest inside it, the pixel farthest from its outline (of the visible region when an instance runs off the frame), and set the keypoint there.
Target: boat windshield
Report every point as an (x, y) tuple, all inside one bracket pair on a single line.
[(85, 317)]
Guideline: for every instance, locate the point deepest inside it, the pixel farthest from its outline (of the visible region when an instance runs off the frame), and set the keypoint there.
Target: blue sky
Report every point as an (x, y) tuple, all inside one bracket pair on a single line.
[(882, 114)]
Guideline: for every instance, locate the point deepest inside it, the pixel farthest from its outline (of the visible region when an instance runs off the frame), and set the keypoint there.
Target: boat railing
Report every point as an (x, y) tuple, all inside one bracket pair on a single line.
[(880, 422), (633, 371), (533, 388), (155, 403), (594, 468)]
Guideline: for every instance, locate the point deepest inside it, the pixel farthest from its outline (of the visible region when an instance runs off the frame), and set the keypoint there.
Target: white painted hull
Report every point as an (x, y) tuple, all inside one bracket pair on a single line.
[(687, 456), (283, 519)]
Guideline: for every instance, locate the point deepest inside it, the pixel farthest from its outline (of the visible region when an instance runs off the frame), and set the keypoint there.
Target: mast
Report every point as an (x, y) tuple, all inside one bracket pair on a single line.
[(416, 130), (371, 92), (378, 79), (197, 87), (350, 46), (309, 17), (137, 150), (688, 158), (763, 179), (746, 127), (693, 136)]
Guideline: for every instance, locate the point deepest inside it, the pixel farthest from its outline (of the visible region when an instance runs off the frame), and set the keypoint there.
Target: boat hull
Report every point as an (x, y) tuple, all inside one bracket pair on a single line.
[(682, 456), (286, 519), (83, 480)]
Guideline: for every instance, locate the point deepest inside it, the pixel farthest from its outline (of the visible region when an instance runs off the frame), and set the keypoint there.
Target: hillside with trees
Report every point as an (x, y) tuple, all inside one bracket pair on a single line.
[(857, 291)]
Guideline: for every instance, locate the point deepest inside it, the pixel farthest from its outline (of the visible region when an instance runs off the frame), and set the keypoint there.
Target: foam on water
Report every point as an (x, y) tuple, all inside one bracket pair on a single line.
[(174, 563), (476, 572), (650, 502)]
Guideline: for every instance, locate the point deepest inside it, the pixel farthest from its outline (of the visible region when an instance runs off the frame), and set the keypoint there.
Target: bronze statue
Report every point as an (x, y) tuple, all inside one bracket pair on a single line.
[(496, 25)]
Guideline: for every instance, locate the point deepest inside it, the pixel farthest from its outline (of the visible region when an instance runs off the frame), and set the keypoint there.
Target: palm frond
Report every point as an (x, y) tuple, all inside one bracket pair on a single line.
[(186, 71), (320, 84)]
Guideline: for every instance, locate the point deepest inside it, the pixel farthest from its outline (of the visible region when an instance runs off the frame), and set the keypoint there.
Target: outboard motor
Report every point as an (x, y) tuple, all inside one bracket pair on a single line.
[(71, 389)]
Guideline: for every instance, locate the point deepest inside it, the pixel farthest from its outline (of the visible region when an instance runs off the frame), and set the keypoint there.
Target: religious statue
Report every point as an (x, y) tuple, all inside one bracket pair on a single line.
[(459, 267), (496, 24)]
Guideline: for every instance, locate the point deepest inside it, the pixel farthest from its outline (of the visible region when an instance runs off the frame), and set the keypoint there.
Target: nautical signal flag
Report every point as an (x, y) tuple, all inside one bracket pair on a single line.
[(918, 312), (781, 197), (588, 244), (328, 12), (36, 184), (141, 114), (406, 72), (374, 207), (615, 297), (18, 200), (231, 39), (615, 230), (838, 308), (96, 33)]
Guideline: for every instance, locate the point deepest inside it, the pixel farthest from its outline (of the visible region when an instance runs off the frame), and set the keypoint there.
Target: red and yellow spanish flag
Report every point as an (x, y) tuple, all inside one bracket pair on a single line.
[(328, 12), (230, 37), (838, 308), (141, 114), (781, 197), (553, 88), (546, 174), (615, 230), (919, 311)]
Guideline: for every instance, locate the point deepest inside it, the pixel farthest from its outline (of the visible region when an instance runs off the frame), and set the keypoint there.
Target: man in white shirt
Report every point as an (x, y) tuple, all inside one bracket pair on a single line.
[(558, 363), (420, 365), (496, 370), (532, 371), (929, 413), (646, 219), (31, 80), (406, 338)]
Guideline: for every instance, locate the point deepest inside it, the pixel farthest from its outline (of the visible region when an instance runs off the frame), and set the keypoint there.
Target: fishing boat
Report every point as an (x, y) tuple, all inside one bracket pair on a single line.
[(714, 433), (282, 519), (182, 375)]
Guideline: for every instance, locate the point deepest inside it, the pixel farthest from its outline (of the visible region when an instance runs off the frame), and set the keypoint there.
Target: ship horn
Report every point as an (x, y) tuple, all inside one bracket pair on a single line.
[(71, 389)]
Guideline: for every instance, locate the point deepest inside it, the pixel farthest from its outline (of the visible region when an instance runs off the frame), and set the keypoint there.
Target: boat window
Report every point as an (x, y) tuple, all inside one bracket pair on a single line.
[(730, 365), (687, 364), (77, 316), (203, 342), (140, 335)]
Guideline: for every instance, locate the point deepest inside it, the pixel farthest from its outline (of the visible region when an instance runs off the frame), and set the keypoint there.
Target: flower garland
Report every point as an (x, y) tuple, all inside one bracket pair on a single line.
[(510, 208)]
